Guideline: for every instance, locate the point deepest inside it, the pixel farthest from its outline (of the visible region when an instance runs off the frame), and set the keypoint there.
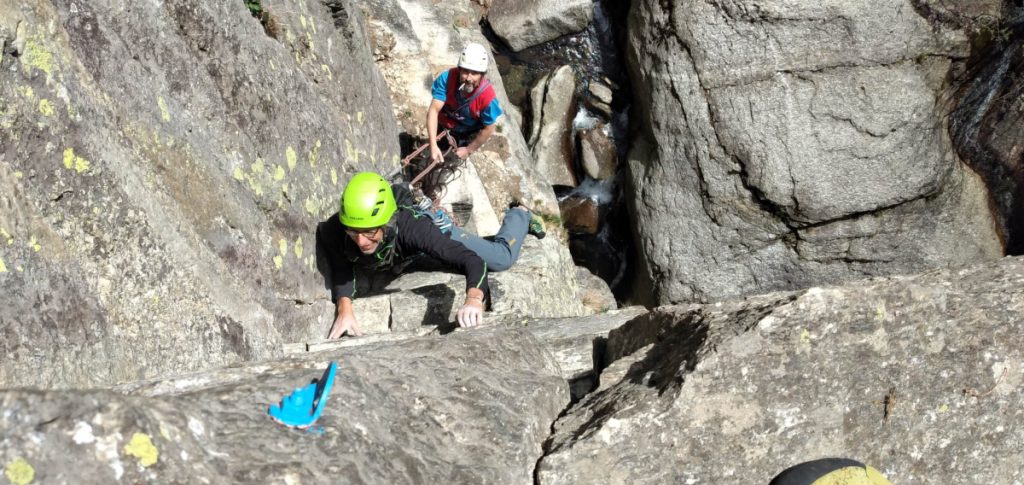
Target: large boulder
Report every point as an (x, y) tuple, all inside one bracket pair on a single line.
[(554, 105), (783, 145), (919, 376), (469, 407), (162, 169), (526, 23)]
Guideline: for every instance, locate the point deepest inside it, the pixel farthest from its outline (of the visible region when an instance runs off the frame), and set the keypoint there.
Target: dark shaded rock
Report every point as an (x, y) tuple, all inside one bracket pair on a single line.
[(470, 407), (580, 215), (909, 374)]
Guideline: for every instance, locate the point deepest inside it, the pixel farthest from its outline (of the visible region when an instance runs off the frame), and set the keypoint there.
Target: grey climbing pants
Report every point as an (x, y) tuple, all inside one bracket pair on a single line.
[(501, 253)]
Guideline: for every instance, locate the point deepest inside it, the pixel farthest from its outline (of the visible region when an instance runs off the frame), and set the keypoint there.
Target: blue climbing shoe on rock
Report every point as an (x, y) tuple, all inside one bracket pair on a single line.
[(303, 406)]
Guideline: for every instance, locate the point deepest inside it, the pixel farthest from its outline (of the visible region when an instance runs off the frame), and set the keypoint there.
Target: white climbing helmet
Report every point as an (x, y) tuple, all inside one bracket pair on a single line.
[(474, 58)]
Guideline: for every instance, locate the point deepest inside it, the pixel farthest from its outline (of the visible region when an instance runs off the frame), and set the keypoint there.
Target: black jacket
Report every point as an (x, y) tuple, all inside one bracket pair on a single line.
[(407, 236)]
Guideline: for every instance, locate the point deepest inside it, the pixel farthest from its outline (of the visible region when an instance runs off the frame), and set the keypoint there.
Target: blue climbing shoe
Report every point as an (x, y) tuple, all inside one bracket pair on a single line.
[(304, 405)]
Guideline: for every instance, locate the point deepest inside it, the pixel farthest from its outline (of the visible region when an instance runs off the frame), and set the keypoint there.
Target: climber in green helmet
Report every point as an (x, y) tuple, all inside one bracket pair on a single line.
[(372, 231)]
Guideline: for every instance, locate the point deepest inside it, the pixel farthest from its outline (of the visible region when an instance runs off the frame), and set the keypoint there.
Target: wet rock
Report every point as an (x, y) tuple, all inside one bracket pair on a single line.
[(818, 162), (472, 406), (526, 23), (908, 374), (600, 99), (580, 215), (554, 102), (597, 153)]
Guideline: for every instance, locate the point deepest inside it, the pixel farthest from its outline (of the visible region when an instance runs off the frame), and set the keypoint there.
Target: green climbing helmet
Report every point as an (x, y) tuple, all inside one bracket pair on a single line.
[(367, 202)]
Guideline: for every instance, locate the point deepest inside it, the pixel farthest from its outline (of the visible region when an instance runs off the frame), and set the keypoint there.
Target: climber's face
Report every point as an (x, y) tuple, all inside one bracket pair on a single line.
[(366, 239), (469, 80)]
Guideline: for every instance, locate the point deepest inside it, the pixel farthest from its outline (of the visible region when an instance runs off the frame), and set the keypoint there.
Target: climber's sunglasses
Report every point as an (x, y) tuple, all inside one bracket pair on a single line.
[(370, 234)]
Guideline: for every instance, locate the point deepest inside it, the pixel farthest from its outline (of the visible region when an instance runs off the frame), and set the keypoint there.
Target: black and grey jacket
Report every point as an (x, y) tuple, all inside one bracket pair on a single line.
[(407, 236)]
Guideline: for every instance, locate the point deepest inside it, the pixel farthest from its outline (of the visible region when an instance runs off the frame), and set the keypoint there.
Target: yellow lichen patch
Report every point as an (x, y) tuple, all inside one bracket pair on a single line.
[(272, 66), (359, 117), (282, 246), (302, 21), (309, 42), (3, 267), (81, 164), (69, 158), (141, 447), (298, 248), (239, 174), (312, 25), (257, 166), (312, 206), (255, 185), (284, 189), (327, 69), (164, 113), (278, 262), (314, 154), (46, 107), (334, 176), (292, 158), (805, 336), (18, 175), (6, 235), (72, 161), (36, 56), (278, 173), (19, 472), (27, 92), (32, 243), (944, 408)]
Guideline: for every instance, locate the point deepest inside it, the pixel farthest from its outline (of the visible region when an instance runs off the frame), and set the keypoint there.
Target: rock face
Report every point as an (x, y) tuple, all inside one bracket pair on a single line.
[(162, 170), (471, 407), (783, 145), (908, 374), (526, 23)]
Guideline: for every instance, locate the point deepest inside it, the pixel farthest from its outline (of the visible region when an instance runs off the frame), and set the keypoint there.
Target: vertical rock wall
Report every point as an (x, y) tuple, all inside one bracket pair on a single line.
[(162, 169), (782, 145)]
